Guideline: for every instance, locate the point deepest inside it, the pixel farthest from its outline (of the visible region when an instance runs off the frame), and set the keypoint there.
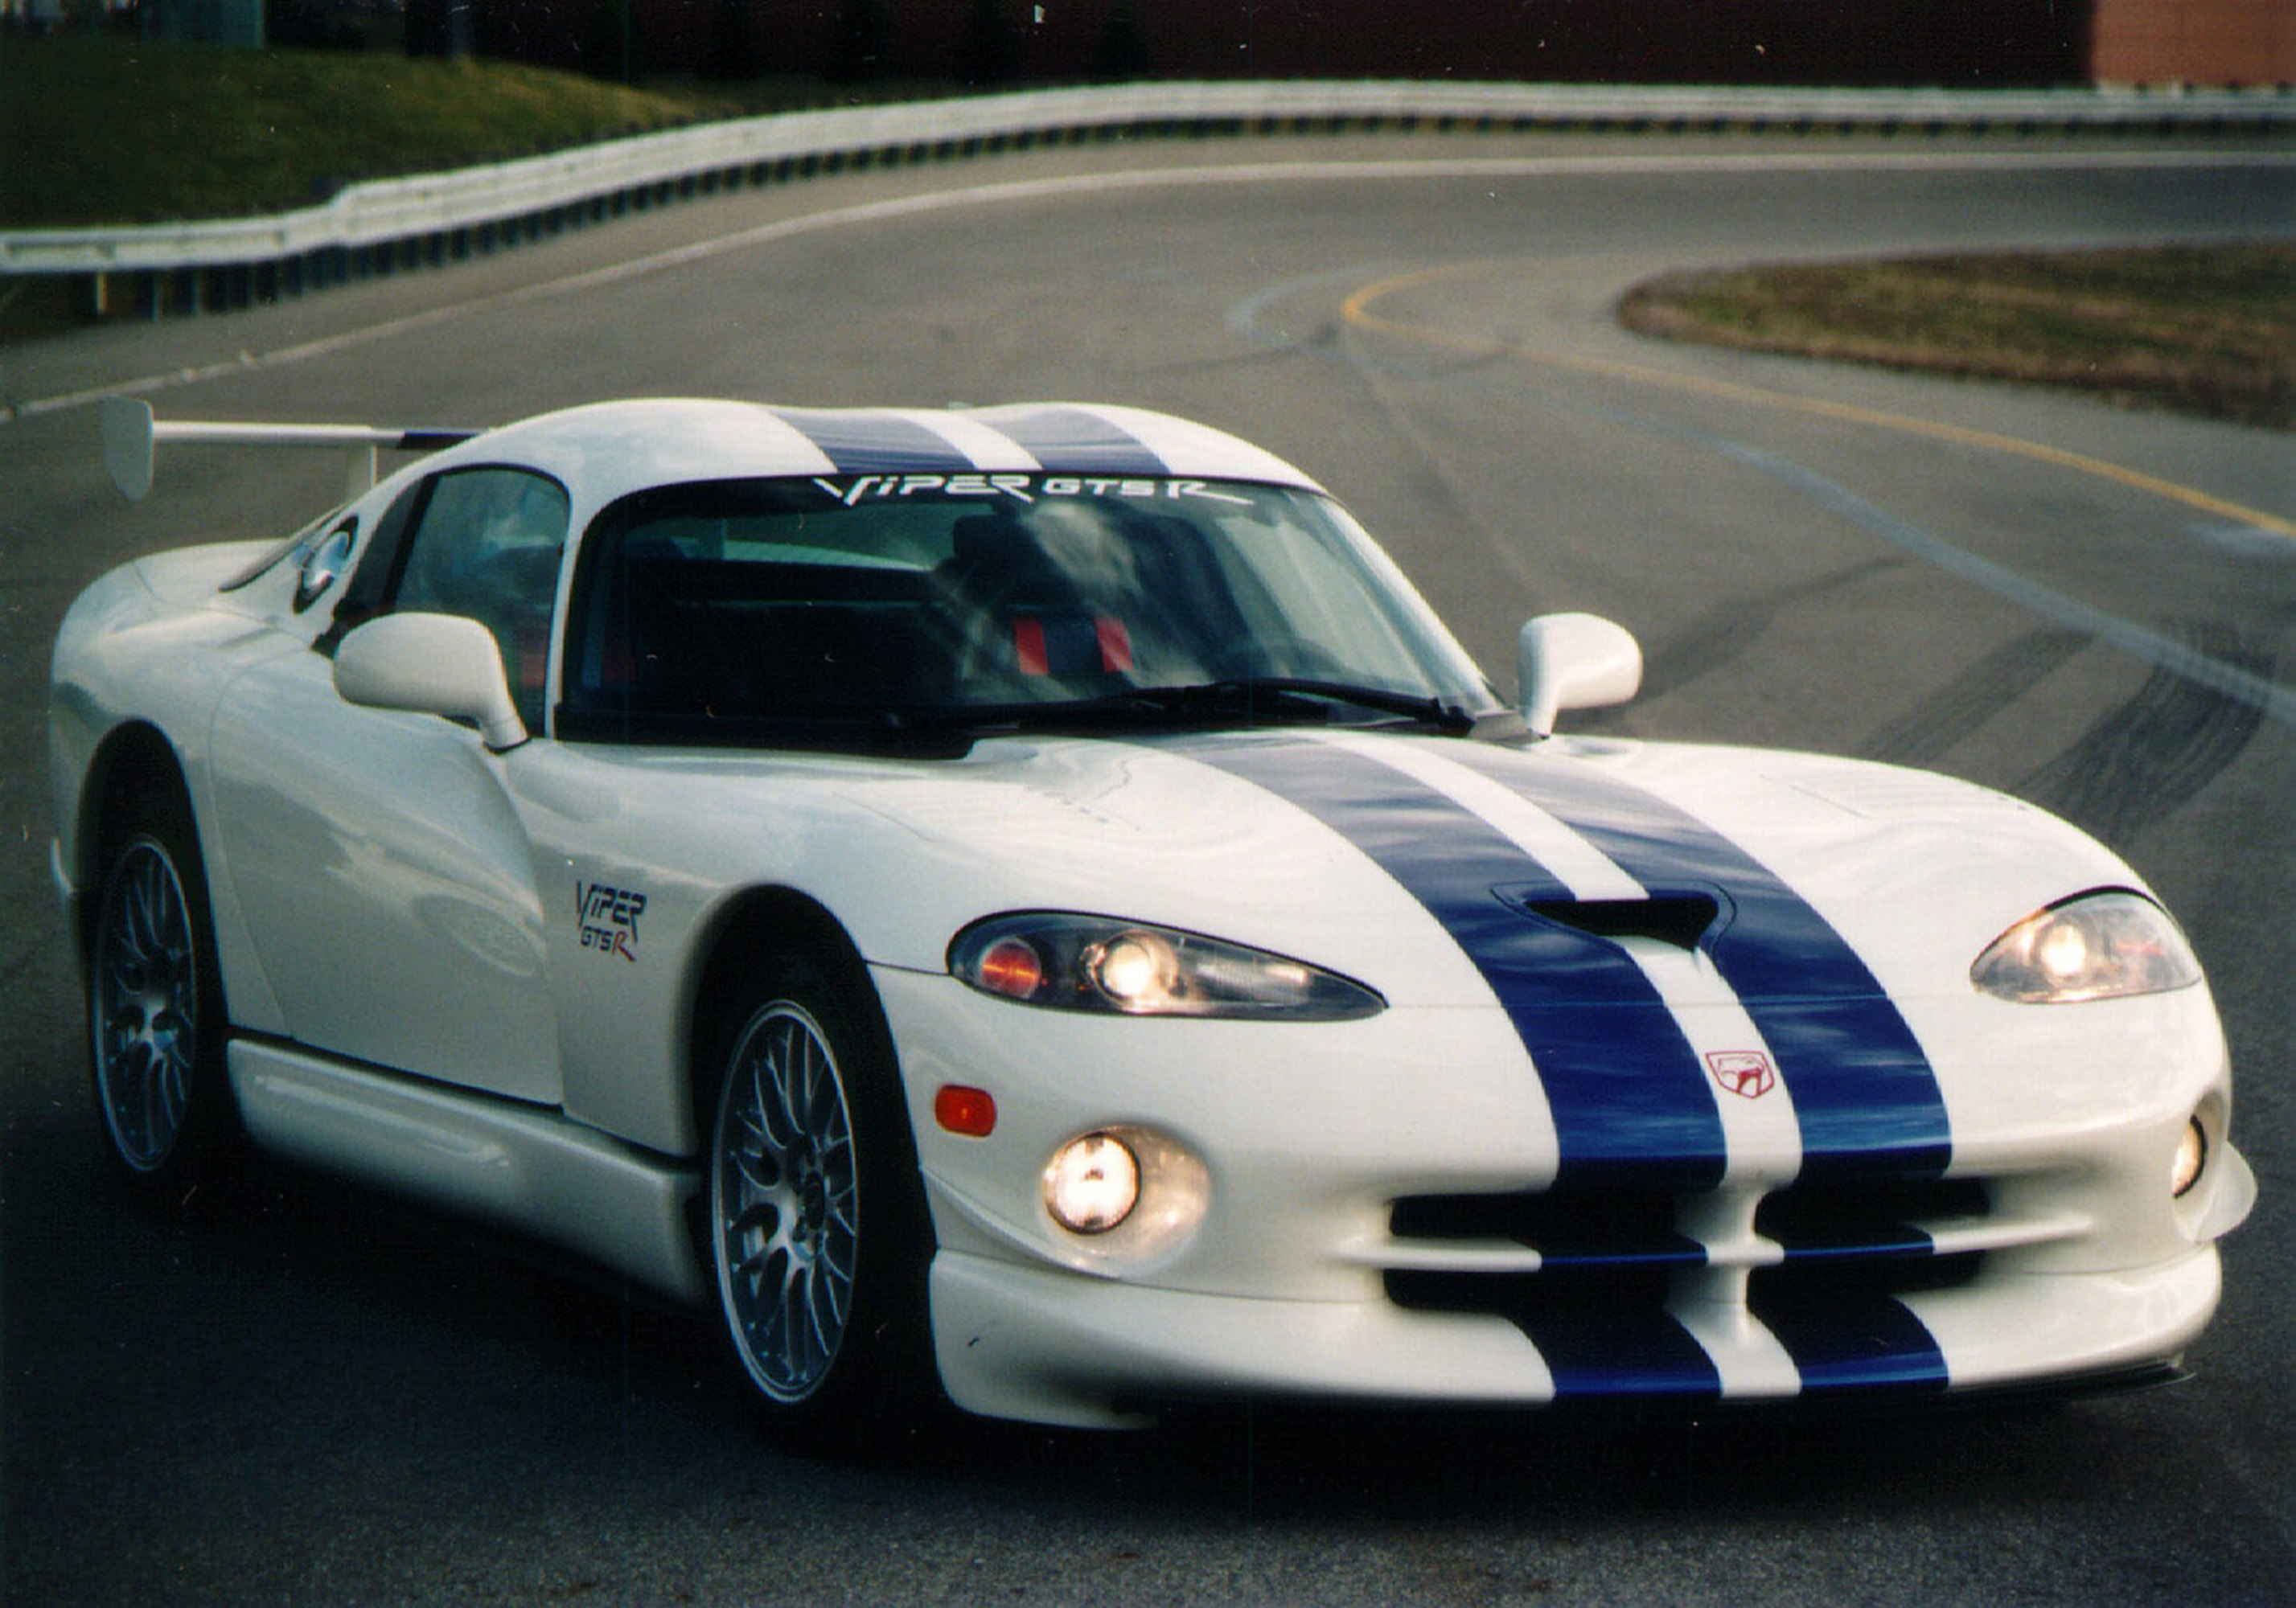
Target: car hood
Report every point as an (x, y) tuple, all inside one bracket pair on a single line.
[(1426, 868)]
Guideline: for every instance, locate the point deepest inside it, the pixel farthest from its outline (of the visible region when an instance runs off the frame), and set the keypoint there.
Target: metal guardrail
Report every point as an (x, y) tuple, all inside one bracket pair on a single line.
[(381, 227)]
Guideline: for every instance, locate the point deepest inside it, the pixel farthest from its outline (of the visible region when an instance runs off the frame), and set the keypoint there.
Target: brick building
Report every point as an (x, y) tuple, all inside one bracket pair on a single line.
[(2194, 42)]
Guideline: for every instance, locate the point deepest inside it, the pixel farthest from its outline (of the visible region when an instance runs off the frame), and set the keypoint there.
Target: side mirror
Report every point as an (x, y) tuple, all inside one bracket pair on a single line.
[(1574, 661), (430, 664)]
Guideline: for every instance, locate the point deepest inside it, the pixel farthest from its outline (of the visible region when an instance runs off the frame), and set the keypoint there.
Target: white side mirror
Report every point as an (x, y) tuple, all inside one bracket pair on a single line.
[(430, 664), (1574, 661)]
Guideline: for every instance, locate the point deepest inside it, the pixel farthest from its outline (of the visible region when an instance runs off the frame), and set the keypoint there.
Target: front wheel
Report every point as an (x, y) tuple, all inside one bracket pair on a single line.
[(818, 1235), (155, 1008)]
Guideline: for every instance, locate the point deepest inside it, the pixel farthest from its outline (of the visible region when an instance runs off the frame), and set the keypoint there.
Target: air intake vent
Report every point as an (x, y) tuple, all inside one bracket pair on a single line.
[(1680, 920)]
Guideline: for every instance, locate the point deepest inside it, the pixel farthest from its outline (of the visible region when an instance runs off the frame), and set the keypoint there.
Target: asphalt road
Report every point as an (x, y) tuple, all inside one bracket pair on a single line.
[(300, 1394)]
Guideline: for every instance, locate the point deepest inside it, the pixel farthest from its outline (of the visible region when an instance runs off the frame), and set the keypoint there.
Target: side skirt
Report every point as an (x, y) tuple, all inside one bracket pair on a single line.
[(532, 1169)]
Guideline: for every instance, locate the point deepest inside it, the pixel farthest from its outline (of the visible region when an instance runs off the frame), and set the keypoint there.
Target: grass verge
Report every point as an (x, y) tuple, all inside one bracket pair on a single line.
[(2204, 330), (112, 131)]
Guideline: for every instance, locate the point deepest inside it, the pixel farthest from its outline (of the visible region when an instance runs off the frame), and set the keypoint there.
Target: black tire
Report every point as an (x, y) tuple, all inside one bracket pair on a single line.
[(155, 1006), (817, 1232)]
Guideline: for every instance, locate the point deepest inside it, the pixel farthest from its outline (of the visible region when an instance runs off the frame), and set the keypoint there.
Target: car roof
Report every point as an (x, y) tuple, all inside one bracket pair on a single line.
[(607, 450)]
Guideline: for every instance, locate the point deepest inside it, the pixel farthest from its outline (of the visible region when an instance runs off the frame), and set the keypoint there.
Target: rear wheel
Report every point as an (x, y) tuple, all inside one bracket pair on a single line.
[(817, 1230), (155, 1006)]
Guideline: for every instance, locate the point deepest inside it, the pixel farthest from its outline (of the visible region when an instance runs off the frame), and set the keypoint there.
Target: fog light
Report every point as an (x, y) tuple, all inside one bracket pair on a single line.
[(1092, 1184), (2191, 1155)]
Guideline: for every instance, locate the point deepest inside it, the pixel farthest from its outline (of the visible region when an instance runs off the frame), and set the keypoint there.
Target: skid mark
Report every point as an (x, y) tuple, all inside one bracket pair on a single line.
[(1946, 717), (1356, 310), (2146, 760), (2234, 682), (1728, 633)]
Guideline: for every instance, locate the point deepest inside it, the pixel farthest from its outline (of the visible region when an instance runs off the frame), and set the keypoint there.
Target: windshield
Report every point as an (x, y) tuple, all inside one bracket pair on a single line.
[(983, 600)]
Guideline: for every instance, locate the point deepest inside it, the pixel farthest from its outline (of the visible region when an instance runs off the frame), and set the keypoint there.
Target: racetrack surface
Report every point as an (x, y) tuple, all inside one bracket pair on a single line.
[(301, 1393)]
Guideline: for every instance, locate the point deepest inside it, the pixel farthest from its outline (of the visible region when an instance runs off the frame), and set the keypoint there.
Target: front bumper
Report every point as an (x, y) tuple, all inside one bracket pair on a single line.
[(1050, 1346), (1379, 1223)]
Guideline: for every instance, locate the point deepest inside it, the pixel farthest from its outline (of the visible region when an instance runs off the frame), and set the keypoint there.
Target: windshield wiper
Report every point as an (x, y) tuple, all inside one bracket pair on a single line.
[(1246, 692), (1272, 698)]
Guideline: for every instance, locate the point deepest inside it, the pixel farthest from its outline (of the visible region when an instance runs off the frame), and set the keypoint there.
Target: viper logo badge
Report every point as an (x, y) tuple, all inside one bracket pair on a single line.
[(1744, 1072)]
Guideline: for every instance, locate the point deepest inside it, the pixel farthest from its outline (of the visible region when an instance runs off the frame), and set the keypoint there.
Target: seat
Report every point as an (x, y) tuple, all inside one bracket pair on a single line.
[(1024, 615)]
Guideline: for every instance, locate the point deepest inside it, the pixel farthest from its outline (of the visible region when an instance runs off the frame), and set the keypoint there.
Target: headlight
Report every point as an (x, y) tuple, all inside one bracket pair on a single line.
[(2098, 946), (1100, 964)]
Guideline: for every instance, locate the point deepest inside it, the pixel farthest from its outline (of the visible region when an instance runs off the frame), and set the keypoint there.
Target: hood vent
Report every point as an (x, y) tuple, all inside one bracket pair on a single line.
[(1680, 919)]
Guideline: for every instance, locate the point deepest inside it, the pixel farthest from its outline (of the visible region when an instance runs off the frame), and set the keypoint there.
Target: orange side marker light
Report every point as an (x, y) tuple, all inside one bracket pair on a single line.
[(970, 1111)]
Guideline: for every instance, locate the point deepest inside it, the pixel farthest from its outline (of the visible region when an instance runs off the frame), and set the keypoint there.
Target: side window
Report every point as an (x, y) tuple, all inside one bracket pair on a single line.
[(487, 546)]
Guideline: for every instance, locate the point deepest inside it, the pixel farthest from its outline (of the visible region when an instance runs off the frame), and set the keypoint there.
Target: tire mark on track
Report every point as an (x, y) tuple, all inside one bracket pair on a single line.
[(1944, 718), (1356, 311), (2212, 676), (2147, 759), (1730, 631), (2217, 678)]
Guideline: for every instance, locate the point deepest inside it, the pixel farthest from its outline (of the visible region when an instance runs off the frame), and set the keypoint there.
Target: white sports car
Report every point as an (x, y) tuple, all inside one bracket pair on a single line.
[(1027, 904)]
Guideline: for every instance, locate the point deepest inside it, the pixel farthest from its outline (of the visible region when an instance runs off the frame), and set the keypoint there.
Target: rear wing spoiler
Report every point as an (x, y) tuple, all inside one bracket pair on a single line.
[(131, 436)]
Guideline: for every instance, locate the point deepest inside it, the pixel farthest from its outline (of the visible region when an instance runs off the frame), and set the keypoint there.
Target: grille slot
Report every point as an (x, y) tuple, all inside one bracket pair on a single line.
[(1609, 1258), (1602, 1229), (1866, 1220)]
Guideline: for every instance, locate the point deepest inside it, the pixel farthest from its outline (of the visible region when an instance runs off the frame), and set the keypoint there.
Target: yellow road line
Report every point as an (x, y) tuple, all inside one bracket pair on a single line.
[(1356, 311)]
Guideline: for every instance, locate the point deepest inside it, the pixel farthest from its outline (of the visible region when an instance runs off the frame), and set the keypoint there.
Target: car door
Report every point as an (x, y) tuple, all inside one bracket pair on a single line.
[(380, 863)]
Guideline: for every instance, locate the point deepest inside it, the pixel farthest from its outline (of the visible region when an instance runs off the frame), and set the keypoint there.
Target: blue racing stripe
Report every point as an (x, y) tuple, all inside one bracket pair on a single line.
[(1594, 1352), (1830, 1303), (1863, 1091), (875, 443), (1629, 1097), (1072, 441), (1854, 1343)]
